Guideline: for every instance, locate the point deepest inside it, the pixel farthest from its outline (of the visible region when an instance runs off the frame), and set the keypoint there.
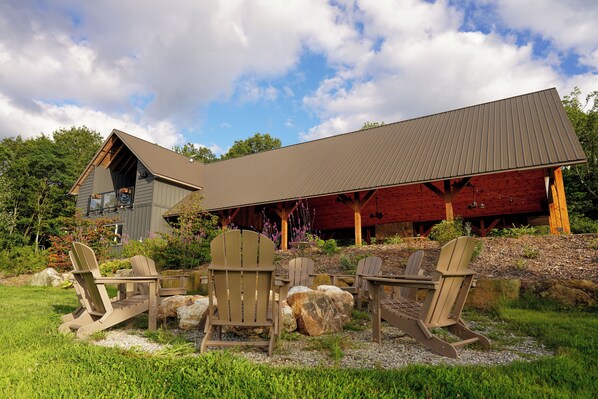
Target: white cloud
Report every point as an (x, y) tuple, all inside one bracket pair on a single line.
[(569, 24), (425, 64)]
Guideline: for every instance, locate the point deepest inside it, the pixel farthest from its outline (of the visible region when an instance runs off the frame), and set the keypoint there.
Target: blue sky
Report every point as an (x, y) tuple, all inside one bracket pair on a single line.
[(212, 72)]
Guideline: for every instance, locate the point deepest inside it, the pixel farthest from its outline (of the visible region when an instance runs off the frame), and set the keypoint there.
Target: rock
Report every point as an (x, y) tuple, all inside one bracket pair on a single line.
[(288, 321), (567, 292), (124, 273), (321, 279), (48, 278), (194, 315), (488, 291), (169, 305), (343, 300), (298, 288), (316, 313)]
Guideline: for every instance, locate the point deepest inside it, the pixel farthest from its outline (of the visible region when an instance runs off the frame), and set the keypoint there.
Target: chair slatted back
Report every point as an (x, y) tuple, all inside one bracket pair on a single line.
[(143, 266), (369, 266), (301, 271), (97, 301), (413, 268), (443, 306), (241, 276)]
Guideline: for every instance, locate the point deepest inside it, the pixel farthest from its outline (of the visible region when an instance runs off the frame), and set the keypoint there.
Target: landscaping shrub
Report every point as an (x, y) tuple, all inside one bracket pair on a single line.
[(328, 247), (21, 260), (445, 231), (583, 224), (518, 231), (394, 240), (111, 266)]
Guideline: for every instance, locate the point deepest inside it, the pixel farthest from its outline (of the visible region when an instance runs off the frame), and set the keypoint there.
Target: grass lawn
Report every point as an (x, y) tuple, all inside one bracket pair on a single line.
[(36, 361)]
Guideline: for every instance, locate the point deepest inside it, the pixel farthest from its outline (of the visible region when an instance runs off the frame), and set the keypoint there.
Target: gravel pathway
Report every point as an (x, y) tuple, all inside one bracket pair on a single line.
[(395, 351)]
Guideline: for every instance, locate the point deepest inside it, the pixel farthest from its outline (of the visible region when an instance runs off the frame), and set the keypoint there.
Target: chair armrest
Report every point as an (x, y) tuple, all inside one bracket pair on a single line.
[(124, 280), (398, 282)]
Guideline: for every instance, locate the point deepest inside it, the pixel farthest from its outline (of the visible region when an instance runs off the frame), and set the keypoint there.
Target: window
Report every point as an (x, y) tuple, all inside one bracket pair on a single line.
[(117, 229)]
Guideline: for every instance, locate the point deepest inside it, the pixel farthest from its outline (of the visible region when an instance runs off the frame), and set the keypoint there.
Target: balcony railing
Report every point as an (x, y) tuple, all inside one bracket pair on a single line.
[(111, 200)]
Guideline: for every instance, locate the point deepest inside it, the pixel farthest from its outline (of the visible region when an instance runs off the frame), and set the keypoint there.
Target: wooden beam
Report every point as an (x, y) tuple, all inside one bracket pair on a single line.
[(356, 203), (284, 212), (562, 201), (226, 217), (449, 193)]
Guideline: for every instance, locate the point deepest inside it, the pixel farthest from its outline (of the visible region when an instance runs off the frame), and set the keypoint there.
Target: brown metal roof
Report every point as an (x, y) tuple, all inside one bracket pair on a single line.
[(524, 132), (162, 163)]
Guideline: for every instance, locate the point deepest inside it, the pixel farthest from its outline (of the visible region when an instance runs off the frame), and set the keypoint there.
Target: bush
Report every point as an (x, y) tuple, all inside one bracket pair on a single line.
[(516, 232), (445, 231), (22, 260), (152, 247), (329, 247), (393, 240), (583, 224), (110, 267)]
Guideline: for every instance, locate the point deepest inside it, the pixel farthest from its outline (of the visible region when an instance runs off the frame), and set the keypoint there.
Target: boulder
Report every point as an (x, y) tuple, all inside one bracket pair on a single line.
[(49, 278), (567, 292), (288, 321), (298, 288), (124, 273), (320, 279), (194, 315), (343, 300), (316, 313), (169, 305), (488, 291)]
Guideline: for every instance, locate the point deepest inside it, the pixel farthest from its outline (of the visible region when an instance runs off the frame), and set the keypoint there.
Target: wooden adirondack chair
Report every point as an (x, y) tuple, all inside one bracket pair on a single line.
[(144, 266), (370, 266), (446, 294), (99, 312), (413, 268), (301, 272), (241, 283)]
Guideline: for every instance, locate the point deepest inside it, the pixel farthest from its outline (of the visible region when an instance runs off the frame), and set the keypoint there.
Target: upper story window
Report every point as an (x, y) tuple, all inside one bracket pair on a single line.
[(111, 200)]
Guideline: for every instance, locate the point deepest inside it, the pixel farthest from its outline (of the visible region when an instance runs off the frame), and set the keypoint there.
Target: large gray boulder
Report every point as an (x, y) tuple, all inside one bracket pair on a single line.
[(194, 315), (169, 306), (316, 313), (50, 278)]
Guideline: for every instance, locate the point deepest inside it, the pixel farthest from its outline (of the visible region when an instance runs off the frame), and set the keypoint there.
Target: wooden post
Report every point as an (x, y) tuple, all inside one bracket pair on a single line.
[(226, 217), (284, 212), (356, 203), (449, 193), (557, 204), (357, 214)]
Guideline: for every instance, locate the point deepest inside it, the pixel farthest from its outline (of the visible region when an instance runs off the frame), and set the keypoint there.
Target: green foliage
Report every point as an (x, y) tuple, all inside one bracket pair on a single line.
[(111, 266), (516, 232), (369, 125), (445, 231), (583, 224), (582, 180), (22, 260), (328, 247), (593, 244), (521, 264), (253, 145), (36, 175), (197, 153), (334, 344), (530, 253), (360, 321), (188, 244), (394, 240), (36, 358), (477, 249), (152, 247)]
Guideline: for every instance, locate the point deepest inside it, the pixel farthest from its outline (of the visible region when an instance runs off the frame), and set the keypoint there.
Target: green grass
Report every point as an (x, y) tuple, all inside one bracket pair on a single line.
[(37, 362)]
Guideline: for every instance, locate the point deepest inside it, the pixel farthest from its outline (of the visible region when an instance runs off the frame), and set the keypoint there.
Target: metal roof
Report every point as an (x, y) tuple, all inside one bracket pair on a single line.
[(162, 163), (523, 132)]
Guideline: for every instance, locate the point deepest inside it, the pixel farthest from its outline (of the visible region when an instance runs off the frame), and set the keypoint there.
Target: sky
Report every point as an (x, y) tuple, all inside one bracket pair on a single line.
[(211, 72)]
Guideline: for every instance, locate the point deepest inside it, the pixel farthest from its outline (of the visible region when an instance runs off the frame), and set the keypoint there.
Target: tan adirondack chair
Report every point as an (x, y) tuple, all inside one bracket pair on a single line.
[(301, 272), (241, 283), (99, 312), (144, 266), (446, 294), (370, 266), (413, 268)]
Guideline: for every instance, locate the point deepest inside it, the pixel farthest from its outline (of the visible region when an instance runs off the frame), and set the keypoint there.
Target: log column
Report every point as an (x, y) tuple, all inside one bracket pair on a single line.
[(226, 217), (356, 203), (284, 211), (449, 193), (557, 203)]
